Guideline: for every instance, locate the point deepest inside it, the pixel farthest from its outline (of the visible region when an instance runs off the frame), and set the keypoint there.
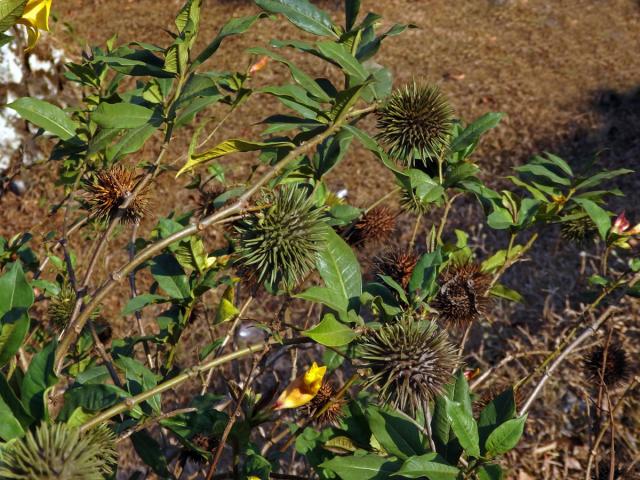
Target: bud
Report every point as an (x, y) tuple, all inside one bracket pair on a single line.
[(303, 389), (259, 65)]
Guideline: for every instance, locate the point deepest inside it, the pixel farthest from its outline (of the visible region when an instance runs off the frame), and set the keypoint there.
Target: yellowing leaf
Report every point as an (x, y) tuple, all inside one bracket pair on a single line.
[(227, 147)]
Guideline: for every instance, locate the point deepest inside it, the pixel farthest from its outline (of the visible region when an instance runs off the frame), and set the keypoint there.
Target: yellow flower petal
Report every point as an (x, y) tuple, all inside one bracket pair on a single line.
[(35, 17), (302, 389)]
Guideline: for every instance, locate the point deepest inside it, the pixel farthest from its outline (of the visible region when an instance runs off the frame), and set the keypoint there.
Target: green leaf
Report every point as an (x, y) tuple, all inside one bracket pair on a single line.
[(599, 216), (331, 333), (16, 296), (301, 78), (131, 141), (602, 176), (344, 101), (139, 379), (395, 433), (151, 453), (506, 436), (367, 467), (170, 276), (302, 14), (141, 301), (227, 147), (10, 427), (343, 57), (46, 116), (501, 291), (339, 267), (124, 115), (38, 379), (10, 12), (327, 296), (472, 133), (490, 472), (235, 26), (352, 7), (465, 428), (430, 465), (496, 412), (8, 396), (423, 278)]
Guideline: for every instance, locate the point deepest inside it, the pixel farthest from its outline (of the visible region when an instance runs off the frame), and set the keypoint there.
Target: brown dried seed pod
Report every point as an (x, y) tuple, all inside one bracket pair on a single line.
[(462, 298), (205, 202), (375, 226), (397, 264), (108, 191), (334, 412), (616, 369)]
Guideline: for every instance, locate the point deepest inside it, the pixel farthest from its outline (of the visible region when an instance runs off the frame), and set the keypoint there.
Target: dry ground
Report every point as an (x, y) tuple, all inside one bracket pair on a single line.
[(567, 75)]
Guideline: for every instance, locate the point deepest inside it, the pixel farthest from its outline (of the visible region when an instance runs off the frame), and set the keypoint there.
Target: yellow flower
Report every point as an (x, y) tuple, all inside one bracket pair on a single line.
[(253, 477), (35, 17), (302, 389)]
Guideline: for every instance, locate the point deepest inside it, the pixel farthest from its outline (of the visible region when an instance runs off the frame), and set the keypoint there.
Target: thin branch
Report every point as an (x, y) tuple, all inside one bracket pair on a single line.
[(586, 333), (150, 421), (187, 374), (75, 327)]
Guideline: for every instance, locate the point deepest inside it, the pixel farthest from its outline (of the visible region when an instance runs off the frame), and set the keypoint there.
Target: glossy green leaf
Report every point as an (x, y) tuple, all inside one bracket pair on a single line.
[(490, 472), (39, 377), (506, 436), (141, 301), (430, 465), (343, 57), (10, 427), (170, 276), (132, 141), (16, 296), (366, 467), (600, 177), (472, 133), (352, 8), (302, 14), (124, 115), (396, 434), (46, 116), (151, 453), (501, 291), (10, 12), (339, 267), (9, 397), (235, 26), (599, 216), (465, 427), (327, 296), (331, 333), (423, 278)]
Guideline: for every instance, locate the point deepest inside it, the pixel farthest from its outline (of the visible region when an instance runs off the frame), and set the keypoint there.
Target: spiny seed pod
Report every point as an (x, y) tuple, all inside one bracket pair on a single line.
[(415, 122), (57, 451), (375, 226), (397, 264), (61, 306), (616, 368), (462, 298), (108, 191), (280, 242), (202, 443), (579, 230), (205, 203), (334, 411), (410, 362), (410, 202)]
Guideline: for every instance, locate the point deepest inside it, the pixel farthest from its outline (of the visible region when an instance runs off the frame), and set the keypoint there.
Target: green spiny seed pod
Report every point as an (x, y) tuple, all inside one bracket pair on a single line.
[(410, 361), (61, 306), (415, 122), (57, 451), (580, 230), (279, 243), (410, 202)]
